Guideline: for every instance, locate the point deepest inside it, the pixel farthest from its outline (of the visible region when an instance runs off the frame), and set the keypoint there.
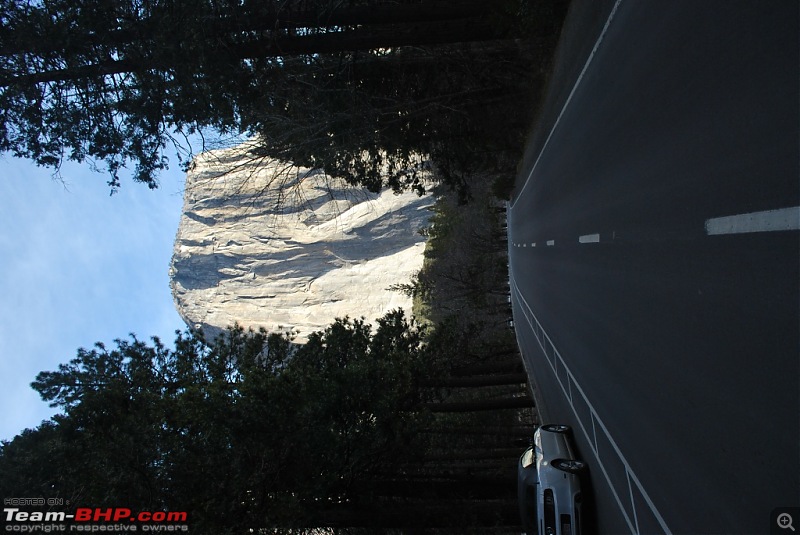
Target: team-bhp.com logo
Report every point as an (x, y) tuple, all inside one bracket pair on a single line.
[(93, 519)]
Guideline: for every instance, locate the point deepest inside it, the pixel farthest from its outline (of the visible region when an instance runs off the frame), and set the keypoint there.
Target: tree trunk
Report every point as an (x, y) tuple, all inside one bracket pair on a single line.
[(382, 515), (481, 405), (267, 21), (474, 454), (370, 38), (512, 365), (521, 431), (433, 487), (421, 25), (478, 380)]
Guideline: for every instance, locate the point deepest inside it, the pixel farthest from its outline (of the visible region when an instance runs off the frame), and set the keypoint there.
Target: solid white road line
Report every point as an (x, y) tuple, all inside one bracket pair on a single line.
[(545, 343), (766, 221), (569, 98)]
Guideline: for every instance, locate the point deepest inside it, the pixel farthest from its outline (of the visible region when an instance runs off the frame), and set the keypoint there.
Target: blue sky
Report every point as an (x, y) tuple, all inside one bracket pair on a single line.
[(77, 266)]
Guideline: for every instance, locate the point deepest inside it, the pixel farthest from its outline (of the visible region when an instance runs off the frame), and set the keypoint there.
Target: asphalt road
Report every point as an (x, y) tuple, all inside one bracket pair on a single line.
[(655, 260)]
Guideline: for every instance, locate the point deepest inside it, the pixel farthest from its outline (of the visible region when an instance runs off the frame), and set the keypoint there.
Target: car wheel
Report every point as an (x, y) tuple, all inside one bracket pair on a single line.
[(556, 428), (573, 466)]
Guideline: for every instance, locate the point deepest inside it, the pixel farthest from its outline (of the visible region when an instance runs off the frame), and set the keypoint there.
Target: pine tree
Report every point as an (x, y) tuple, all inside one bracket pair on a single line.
[(321, 84)]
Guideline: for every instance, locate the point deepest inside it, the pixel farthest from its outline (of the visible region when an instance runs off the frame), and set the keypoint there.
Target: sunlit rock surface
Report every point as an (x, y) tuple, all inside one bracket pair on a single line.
[(294, 257)]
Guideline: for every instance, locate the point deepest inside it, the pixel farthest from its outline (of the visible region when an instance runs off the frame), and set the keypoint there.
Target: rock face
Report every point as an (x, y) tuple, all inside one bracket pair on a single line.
[(296, 256)]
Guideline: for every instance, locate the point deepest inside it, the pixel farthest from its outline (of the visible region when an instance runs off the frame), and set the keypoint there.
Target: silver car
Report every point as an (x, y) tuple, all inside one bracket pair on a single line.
[(549, 484)]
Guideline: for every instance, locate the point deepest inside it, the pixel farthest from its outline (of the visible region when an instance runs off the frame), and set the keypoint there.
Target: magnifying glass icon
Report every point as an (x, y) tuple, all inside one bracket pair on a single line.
[(785, 521)]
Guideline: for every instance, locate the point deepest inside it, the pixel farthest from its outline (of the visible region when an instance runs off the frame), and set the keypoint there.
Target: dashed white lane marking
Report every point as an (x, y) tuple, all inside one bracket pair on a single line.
[(556, 362), (766, 221), (781, 219), (569, 98)]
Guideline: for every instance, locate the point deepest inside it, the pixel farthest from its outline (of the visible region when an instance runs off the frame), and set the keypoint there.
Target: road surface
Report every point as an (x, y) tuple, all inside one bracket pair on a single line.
[(654, 240)]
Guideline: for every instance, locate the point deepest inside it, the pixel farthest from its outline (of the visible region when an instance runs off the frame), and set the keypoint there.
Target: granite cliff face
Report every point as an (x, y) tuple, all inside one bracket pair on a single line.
[(297, 256)]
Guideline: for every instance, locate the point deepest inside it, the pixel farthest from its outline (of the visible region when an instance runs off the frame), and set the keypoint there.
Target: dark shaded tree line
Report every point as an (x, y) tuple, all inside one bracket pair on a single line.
[(366, 90), (463, 290), (464, 279), (253, 431)]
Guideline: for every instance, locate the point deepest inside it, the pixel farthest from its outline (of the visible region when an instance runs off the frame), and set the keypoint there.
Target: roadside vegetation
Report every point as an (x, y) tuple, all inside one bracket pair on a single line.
[(410, 425), (368, 90), (402, 426), (362, 429)]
